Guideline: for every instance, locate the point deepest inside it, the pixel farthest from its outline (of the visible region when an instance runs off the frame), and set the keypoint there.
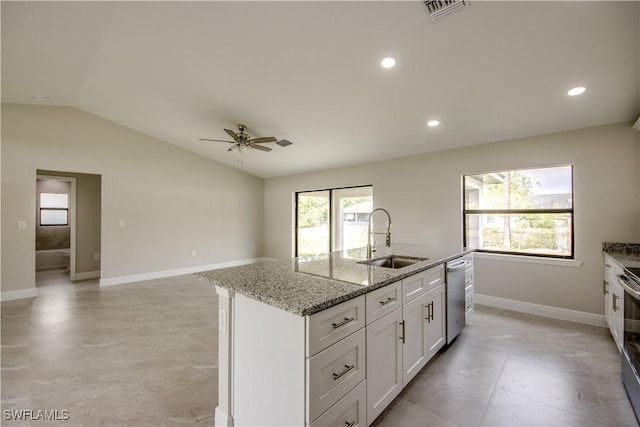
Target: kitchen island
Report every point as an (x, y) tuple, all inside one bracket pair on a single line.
[(292, 336)]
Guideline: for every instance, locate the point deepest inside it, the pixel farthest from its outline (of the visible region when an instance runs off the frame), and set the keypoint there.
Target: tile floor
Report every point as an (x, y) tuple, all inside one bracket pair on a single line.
[(145, 354), (140, 354), (513, 369)]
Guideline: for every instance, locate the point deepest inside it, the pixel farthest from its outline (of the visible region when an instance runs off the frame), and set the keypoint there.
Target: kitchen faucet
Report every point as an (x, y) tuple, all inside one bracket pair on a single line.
[(370, 248)]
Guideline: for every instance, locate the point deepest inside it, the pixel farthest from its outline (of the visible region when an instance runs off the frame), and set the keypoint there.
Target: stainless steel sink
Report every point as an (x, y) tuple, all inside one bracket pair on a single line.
[(392, 261)]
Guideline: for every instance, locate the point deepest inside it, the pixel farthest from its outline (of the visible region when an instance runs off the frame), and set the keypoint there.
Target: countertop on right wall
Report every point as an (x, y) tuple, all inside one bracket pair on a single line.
[(626, 254)]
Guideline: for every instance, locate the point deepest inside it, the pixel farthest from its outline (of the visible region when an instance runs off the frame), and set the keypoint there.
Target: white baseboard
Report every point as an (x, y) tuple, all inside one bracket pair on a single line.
[(542, 310), (21, 294), (221, 419), (119, 280), (85, 275), (52, 267)]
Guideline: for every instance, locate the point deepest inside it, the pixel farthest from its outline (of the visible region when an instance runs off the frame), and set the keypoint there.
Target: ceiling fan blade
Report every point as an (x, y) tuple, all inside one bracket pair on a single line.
[(259, 147), (216, 140), (233, 135), (263, 140)]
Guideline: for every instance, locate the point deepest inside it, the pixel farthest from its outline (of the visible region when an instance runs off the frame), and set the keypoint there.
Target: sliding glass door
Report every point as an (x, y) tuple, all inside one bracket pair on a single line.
[(313, 214), (332, 220)]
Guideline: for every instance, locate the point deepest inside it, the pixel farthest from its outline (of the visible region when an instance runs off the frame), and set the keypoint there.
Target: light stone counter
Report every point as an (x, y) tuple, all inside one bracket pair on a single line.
[(304, 287), (625, 254)]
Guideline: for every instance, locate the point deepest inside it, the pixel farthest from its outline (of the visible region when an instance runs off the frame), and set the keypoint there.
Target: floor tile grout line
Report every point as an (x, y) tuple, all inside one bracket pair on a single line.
[(493, 391)]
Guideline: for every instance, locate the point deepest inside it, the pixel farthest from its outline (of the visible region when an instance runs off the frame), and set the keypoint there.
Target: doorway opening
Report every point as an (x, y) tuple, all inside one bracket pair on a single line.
[(68, 226)]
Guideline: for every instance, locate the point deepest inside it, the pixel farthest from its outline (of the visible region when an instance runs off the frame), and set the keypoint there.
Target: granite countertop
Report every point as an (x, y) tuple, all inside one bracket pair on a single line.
[(304, 287), (625, 254)]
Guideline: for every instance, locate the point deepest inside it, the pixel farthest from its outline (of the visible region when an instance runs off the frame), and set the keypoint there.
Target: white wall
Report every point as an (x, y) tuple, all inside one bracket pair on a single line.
[(172, 200), (423, 195)]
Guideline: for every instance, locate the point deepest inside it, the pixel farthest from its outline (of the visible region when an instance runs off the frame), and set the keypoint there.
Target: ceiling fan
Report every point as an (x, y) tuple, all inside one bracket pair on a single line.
[(242, 141)]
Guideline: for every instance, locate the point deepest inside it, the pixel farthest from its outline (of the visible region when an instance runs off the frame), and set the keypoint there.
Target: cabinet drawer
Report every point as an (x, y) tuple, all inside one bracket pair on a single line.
[(383, 301), (435, 276), (331, 325), (349, 411), (468, 302), (418, 284), (333, 372)]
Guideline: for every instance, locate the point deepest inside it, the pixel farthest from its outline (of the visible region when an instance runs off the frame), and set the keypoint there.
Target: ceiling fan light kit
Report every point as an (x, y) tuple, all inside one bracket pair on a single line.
[(242, 141)]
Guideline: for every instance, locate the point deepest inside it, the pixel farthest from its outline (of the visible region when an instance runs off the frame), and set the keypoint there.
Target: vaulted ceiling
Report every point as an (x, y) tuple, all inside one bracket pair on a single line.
[(310, 72)]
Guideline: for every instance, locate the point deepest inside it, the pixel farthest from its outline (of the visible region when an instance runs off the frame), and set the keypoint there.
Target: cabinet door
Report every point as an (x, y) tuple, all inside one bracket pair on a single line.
[(384, 363), (414, 347), (436, 321), (609, 277), (617, 316)]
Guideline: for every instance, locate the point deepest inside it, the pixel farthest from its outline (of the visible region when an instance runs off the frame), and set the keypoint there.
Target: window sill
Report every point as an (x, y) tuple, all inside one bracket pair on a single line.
[(529, 259)]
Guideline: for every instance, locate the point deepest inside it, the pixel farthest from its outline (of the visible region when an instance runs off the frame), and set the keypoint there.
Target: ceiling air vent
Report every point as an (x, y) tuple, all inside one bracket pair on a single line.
[(283, 143), (440, 8)]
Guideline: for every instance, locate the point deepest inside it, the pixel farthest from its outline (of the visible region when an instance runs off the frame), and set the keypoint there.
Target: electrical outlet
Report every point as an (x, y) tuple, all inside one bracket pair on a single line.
[(22, 225), (194, 253), (121, 223), (96, 256)]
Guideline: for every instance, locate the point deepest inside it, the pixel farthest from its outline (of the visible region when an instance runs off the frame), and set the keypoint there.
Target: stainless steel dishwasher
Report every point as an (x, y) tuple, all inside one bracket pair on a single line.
[(455, 298)]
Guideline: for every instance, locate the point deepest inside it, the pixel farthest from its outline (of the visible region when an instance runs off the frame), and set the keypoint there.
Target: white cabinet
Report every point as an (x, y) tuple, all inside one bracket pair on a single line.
[(436, 331), (333, 324), (333, 372), (613, 299), (348, 412), (336, 355), (401, 343), (383, 301), (617, 298), (468, 287), (384, 363), (416, 285), (414, 338), (339, 367)]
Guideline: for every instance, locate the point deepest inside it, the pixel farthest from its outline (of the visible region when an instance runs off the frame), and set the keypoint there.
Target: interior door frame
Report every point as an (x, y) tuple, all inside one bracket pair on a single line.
[(72, 219)]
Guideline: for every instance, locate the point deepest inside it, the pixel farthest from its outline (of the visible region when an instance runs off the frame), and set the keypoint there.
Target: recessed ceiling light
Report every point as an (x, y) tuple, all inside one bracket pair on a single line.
[(578, 90), (388, 62), (433, 123)]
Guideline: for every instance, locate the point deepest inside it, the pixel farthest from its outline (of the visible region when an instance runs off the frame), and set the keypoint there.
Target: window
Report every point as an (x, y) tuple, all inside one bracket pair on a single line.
[(54, 209), (332, 220), (525, 212)]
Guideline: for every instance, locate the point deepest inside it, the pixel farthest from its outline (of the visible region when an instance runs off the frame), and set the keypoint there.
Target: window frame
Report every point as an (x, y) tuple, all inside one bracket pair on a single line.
[(331, 213), (52, 208), (570, 211)]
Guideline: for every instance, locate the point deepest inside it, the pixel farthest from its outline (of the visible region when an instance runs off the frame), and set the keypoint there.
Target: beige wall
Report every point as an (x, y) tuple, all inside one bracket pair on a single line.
[(423, 194), (172, 201)]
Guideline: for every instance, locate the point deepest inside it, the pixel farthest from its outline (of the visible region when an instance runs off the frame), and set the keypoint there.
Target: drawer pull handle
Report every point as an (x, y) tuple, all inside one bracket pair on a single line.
[(388, 300), (403, 332), (615, 300), (346, 369), (430, 311), (606, 287), (344, 322), (350, 424)]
